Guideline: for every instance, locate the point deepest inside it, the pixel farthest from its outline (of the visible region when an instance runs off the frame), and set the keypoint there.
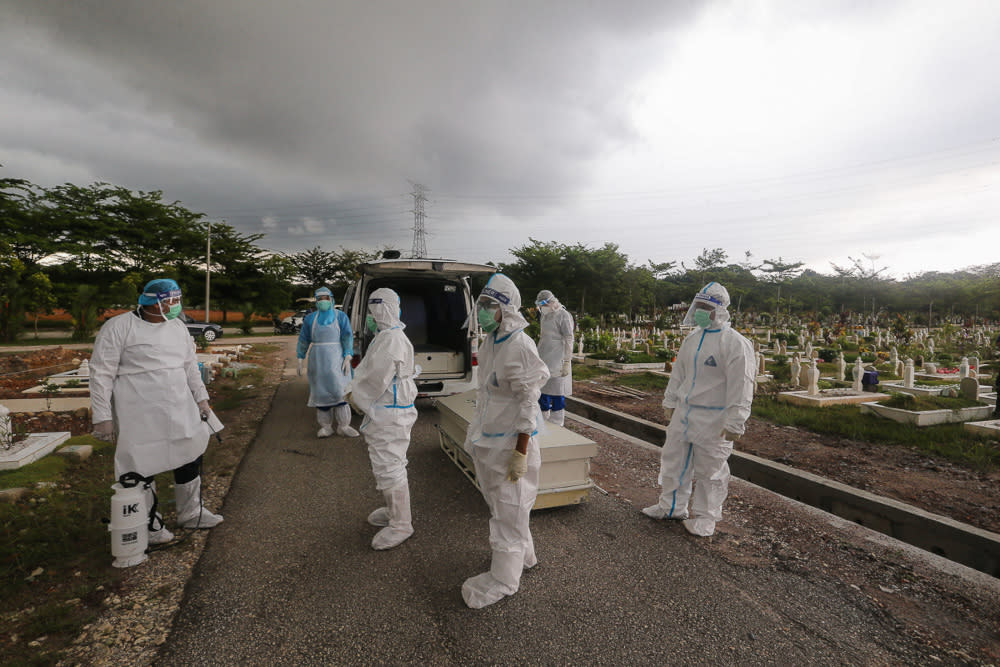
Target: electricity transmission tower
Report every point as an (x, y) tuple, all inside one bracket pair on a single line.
[(419, 235)]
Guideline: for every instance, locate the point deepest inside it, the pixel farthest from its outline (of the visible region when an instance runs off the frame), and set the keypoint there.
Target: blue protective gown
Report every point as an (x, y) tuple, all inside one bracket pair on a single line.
[(326, 338)]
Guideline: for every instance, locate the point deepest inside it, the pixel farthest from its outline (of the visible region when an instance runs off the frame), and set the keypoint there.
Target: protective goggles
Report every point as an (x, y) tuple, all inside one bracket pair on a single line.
[(543, 302)]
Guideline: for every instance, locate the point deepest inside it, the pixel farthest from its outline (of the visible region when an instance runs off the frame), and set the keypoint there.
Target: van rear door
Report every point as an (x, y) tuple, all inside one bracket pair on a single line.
[(436, 303)]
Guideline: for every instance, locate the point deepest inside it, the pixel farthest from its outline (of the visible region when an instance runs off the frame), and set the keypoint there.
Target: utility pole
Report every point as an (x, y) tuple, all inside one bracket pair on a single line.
[(208, 268), (419, 240)]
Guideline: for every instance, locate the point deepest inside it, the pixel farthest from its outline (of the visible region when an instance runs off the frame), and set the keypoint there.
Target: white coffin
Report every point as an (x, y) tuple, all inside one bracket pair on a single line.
[(565, 475)]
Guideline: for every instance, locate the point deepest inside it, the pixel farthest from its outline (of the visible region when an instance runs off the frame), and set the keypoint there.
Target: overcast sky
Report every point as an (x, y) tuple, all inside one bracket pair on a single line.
[(813, 131)]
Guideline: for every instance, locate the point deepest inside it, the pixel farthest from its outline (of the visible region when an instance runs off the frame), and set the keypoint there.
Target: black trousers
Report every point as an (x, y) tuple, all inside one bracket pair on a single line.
[(188, 472)]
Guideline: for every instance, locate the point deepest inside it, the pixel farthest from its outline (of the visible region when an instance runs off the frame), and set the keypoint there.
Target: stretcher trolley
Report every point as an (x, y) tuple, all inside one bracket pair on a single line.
[(564, 478)]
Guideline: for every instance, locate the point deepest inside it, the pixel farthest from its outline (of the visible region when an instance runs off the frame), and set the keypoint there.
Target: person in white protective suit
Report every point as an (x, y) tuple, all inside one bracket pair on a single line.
[(555, 347), (326, 338), (502, 439), (384, 391), (146, 387), (707, 402)]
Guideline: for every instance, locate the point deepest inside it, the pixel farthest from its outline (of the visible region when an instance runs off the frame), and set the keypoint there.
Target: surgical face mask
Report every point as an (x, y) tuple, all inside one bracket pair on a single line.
[(702, 318), (371, 324), (324, 304), (487, 320), (172, 311)]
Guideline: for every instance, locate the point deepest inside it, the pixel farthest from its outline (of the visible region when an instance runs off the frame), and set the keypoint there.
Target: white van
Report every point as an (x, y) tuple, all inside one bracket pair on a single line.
[(437, 304)]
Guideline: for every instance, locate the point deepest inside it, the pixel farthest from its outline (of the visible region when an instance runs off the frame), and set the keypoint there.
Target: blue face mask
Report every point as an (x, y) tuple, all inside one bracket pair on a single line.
[(324, 305), (702, 318)]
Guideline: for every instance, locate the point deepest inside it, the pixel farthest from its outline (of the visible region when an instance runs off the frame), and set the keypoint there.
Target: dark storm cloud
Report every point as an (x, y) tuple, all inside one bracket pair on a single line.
[(465, 95)]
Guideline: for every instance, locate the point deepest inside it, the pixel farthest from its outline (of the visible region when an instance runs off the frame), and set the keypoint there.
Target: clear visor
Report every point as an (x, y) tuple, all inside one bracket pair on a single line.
[(487, 303), (699, 303)]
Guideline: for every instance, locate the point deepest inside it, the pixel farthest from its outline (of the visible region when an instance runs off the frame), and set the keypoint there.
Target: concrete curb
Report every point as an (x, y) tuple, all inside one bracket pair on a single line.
[(957, 541)]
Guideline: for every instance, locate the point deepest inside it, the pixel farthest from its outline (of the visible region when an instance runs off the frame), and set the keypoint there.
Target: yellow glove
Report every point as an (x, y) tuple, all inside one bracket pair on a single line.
[(517, 467), (730, 436), (668, 413)]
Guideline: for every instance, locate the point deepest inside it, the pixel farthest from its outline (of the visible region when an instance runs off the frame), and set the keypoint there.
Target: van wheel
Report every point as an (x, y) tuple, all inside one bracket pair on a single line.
[(209, 335)]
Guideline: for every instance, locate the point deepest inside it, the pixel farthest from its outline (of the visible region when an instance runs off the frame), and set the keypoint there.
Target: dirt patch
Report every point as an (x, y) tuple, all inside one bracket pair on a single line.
[(24, 370), (904, 473)]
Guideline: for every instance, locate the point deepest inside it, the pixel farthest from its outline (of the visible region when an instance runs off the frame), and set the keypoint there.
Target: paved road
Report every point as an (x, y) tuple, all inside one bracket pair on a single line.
[(290, 578)]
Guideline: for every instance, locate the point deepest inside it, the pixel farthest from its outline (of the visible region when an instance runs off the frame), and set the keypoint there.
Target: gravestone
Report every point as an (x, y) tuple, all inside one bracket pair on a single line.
[(908, 373), (857, 374), (796, 370), (841, 366), (963, 368), (813, 375), (897, 368), (5, 433), (969, 388)]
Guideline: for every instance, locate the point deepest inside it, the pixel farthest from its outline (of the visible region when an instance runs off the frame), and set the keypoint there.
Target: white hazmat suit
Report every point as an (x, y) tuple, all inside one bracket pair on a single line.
[(510, 378), (708, 401), (555, 347), (383, 389)]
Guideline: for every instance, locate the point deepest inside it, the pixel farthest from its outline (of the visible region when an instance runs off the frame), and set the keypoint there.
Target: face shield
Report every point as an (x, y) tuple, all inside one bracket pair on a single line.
[(169, 303), (708, 308)]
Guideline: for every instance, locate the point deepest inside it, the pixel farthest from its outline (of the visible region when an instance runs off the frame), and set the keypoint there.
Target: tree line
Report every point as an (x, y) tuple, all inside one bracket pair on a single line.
[(88, 249)]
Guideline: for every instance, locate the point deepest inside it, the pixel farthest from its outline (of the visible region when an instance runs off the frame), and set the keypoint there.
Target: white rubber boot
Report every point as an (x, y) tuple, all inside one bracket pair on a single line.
[(190, 511), (400, 523), (558, 417), (344, 421), (325, 419), (161, 536)]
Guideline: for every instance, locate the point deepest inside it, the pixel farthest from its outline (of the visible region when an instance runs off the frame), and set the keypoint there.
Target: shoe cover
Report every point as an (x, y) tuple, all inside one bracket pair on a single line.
[(502, 580), (161, 536), (530, 559), (344, 421), (379, 517), (702, 526), (325, 419), (190, 511), (400, 525), (658, 511), (547, 415), (558, 417)]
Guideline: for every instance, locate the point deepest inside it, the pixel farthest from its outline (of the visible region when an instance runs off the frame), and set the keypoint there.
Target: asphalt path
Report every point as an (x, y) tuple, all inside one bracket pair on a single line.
[(290, 578)]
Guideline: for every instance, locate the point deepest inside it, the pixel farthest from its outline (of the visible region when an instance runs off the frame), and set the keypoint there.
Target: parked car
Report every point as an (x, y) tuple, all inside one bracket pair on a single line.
[(207, 329), (438, 311), (292, 323)]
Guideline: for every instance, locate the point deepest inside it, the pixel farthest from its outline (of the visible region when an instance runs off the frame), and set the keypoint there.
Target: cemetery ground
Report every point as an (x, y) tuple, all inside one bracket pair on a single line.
[(59, 596), (62, 603)]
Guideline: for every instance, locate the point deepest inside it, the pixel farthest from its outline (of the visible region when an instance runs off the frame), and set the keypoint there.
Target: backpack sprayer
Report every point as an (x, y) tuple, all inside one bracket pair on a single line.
[(132, 518)]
